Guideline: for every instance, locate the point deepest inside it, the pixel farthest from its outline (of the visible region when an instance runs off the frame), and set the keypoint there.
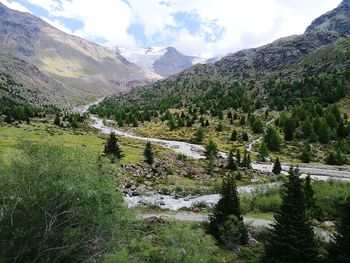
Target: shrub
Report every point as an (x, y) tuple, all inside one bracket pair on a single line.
[(58, 205)]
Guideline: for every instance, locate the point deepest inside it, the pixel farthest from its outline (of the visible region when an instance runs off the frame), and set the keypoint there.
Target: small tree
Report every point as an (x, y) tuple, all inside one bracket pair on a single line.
[(112, 147), (211, 152), (339, 251), (233, 136), (57, 120), (263, 151), (238, 157), (291, 238), (148, 153), (227, 212), (231, 162), (272, 139), (245, 137), (246, 162), (199, 135), (277, 167)]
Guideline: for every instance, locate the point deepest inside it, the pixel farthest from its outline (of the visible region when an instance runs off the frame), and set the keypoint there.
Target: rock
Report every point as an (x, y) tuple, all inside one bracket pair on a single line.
[(196, 210), (149, 176), (133, 187), (253, 243), (162, 203), (328, 224)]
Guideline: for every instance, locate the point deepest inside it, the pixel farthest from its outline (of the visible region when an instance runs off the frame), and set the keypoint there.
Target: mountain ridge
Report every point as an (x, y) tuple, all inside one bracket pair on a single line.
[(73, 67), (165, 61)]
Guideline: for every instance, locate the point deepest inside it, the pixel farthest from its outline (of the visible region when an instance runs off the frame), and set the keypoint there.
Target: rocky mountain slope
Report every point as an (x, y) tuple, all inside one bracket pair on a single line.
[(47, 59), (163, 61), (280, 58)]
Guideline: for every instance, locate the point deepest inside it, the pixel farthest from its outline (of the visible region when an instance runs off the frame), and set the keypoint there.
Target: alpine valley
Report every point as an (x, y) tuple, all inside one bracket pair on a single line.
[(133, 154)]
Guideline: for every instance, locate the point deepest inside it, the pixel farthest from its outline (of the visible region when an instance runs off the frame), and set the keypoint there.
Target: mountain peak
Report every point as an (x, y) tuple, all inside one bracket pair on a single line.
[(337, 20)]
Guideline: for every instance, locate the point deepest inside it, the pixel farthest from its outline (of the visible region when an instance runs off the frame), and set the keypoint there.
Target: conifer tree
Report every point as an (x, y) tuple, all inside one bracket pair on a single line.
[(245, 137), (112, 147), (291, 239), (246, 162), (310, 202), (211, 152), (148, 154), (228, 205), (199, 135), (277, 167), (339, 251), (238, 157), (263, 151), (233, 135), (272, 139), (57, 120), (231, 162)]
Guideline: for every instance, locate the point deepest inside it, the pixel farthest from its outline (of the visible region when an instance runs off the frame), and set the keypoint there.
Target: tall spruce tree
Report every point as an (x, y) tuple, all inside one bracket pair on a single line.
[(228, 206), (112, 147), (291, 239), (339, 251), (148, 154), (310, 201)]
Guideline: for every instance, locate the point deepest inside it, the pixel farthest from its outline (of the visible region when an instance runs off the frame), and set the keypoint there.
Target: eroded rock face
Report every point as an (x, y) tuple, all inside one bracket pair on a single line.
[(337, 20)]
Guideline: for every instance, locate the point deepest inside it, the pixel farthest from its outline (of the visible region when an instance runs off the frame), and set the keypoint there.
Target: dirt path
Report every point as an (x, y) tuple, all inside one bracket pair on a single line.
[(194, 217)]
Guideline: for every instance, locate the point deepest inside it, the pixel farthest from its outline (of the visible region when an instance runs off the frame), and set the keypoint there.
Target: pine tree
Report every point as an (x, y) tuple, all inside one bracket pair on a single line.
[(277, 167), (199, 135), (57, 120), (148, 154), (310, 202), (228, 205), (231, 162), (211, 152), (291, 239), (112, 147), (263, 151), (238, 157), (245, 137), (233, 135), (272, 139), (289, 129), (339, 251), (246, 162)]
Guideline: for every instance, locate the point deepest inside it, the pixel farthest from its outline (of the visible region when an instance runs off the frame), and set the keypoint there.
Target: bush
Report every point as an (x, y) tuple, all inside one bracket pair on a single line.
[(52, 211), (183, 243)]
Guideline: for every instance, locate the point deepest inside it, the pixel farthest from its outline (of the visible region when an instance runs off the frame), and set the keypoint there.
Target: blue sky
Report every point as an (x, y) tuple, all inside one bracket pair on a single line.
[(195, 27)]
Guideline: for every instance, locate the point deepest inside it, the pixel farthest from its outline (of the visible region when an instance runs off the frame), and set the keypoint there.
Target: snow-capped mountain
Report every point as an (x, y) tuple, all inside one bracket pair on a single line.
[(163, 61)]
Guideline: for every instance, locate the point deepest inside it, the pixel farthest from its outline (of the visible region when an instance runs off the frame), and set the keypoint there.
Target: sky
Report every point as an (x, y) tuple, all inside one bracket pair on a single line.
[(203, 28)]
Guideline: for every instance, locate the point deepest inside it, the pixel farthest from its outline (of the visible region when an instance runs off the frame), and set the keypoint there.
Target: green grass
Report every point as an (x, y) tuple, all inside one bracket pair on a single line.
[(10, 136)]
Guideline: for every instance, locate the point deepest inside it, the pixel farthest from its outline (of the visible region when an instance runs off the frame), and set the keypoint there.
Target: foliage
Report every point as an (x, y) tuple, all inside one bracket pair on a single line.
[(58, 206), (148, 153), (211, 152), (112, 147), (277, 168), (227, 213), (292, 238), (339, 251), (272, 139)]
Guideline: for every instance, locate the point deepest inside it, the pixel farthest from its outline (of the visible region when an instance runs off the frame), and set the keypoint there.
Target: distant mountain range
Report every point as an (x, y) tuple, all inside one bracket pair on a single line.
[(60, 66), (164, 61), (323, 48)]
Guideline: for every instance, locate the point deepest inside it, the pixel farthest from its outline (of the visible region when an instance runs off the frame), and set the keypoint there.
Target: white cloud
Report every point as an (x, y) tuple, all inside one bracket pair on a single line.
[(16, 6), (244, 23)]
